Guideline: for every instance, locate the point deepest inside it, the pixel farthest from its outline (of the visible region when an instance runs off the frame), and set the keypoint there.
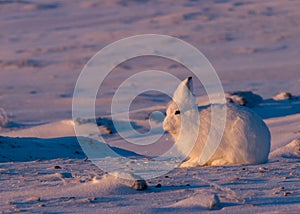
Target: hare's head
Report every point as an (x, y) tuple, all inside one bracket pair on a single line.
[(182, 101)]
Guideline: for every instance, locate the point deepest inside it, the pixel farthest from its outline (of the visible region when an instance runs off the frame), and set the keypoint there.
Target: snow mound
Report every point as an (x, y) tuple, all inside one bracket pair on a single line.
[(244, 98), (200, 200), (283, 96), (3, 118), (107, 185), (291, 150), (61, 128)]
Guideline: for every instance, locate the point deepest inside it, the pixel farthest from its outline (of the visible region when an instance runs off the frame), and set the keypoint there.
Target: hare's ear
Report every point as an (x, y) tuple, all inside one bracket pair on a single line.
[(183, 94), (189, 83)]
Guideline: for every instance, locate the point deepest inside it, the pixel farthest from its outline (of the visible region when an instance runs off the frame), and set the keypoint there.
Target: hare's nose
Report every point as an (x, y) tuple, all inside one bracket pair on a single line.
[(166, 126)]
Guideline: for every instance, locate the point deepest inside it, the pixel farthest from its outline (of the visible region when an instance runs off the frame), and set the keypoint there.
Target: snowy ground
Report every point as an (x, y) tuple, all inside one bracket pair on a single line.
[(254, 46)]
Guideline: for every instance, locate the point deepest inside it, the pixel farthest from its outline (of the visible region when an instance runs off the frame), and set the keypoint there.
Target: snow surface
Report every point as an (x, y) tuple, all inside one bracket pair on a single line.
[(253, 45)]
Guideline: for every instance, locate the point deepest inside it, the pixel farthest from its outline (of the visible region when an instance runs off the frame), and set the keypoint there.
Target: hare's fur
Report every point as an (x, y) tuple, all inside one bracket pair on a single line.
[(246, 138)]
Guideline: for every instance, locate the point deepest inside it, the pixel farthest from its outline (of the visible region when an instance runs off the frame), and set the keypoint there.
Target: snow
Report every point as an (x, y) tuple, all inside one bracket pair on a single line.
[(291, 150), (283, 96), (254, 47)]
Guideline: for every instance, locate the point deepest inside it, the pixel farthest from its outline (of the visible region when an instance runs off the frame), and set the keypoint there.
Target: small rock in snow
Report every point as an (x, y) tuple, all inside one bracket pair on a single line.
[(214, 202), (34, 198), (158, 186), (3, 118), (139, 185), (283, 96), (129, 179), (262, 169), (64, 175)]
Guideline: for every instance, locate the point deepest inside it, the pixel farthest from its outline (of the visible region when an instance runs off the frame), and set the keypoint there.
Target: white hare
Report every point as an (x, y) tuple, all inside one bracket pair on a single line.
[(246, 138)]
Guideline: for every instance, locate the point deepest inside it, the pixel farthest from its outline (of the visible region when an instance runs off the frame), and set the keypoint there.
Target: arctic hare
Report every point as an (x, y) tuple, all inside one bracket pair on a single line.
[(246, 138)]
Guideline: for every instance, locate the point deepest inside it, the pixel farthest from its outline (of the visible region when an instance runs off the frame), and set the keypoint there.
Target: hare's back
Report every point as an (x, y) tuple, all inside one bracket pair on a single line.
[(246, 138), (235, 115)]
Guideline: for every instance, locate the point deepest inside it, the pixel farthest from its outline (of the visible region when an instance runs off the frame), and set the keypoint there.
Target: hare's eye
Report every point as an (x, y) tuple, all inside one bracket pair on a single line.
[(177, 112)]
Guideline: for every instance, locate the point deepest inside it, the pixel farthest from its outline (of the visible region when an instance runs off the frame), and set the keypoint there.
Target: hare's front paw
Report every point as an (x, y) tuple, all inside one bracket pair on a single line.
[(189, 164), (219, 162)]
